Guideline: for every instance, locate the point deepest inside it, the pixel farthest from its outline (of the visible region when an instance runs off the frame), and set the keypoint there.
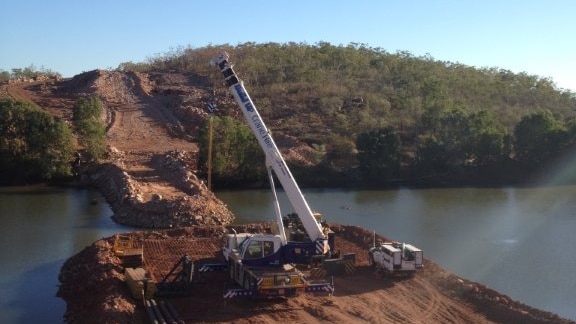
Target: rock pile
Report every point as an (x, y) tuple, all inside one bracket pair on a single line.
[(135, 204)]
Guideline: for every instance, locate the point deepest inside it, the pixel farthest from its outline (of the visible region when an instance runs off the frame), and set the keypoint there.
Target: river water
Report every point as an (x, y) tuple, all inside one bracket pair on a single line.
[(517, 241), (41, 227)]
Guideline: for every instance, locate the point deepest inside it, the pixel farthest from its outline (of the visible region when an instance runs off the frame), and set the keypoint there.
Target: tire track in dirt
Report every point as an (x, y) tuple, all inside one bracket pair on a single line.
[(438, 308), (138, 120)]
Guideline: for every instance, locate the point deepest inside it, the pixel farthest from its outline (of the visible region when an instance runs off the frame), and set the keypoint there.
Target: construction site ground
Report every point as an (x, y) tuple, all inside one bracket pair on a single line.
[(150, 114), (94, 287)]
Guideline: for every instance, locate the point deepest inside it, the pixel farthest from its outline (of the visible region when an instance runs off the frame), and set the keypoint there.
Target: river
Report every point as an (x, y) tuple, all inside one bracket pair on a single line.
[(517, 241), (41, 227)]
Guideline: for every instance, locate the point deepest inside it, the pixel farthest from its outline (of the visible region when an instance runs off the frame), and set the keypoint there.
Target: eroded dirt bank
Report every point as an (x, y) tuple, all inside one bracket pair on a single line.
[(95, 292)]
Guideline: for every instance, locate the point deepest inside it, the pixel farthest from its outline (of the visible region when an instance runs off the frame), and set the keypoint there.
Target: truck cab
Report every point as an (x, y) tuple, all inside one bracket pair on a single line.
[(412, 257), (396, 258)]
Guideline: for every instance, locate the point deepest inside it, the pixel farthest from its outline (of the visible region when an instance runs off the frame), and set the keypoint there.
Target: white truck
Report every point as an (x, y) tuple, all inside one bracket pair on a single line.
[(393, 258), (263, 264)]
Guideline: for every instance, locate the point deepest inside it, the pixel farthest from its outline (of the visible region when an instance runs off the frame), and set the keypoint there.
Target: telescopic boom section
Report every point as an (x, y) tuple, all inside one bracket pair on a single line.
[(274, 158)]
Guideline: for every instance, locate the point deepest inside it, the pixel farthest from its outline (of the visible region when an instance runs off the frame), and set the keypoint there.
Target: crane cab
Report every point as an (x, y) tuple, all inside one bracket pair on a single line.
[(253, 249)]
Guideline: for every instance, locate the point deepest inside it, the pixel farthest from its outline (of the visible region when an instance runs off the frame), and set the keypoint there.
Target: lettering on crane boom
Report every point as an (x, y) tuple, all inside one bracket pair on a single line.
[(248, 106), (282, 167), (262, 131), (258, 124), (242, 94)]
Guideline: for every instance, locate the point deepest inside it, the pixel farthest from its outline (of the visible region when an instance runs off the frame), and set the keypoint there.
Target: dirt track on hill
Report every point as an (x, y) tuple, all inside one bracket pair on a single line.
[(150, 116)]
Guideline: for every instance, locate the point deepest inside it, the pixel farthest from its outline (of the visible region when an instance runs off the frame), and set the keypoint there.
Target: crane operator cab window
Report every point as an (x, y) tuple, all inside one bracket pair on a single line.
[(259, 249)]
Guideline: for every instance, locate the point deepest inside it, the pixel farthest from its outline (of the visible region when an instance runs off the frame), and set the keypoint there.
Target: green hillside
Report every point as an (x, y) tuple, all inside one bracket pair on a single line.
[(379, 118)]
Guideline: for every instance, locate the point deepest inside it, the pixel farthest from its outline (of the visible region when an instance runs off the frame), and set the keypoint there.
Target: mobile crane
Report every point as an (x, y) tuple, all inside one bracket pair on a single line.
[(264, 263)]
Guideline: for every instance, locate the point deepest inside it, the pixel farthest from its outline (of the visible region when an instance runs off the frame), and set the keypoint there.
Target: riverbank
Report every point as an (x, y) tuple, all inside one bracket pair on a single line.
[(95, 292)]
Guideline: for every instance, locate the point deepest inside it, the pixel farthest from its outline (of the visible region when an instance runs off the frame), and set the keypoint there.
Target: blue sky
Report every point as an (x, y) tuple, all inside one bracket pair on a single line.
[(70, 37)]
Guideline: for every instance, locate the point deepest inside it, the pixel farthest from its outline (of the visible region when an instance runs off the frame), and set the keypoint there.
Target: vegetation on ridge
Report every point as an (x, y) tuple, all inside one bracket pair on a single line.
[(373, 117), (35, 146), (89, 125), (436, 119)]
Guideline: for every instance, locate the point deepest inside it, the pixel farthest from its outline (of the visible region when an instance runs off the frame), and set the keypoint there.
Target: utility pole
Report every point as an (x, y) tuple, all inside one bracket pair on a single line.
[(211, 107), (210, 152)]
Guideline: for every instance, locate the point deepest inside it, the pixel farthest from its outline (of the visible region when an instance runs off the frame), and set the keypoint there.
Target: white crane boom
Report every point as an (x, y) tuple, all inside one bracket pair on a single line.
[(274, 159)]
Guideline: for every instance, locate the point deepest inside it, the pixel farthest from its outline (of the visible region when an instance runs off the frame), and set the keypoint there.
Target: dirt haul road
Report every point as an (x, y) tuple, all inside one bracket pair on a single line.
[(149, 118)]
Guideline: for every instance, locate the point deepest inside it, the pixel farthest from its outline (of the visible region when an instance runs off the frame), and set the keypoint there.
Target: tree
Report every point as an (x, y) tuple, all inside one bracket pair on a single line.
[(340, 148), (430, 157), (447, 132), (487, 139), (539, 136), (32, 72), (33, 144), (236, 154), (378, 154), (87, 119), (453, 137), (4, 76)]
